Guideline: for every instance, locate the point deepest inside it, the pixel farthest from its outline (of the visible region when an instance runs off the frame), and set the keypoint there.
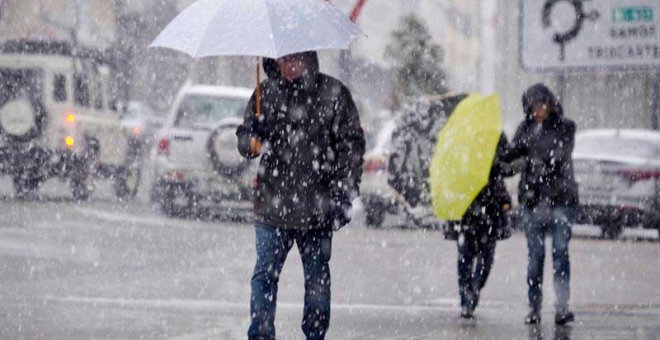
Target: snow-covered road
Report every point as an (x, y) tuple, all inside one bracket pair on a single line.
[(111, 270)]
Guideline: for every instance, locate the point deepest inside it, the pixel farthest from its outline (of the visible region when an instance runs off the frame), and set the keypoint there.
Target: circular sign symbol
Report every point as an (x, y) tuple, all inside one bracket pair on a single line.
[(562, 38)]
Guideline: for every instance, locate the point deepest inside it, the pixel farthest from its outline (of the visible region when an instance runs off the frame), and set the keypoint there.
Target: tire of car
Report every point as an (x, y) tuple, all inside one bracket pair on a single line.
[(30, 170), (375, 213), (21, 119), (612, 229), (168, 204), (25, 188), (127, 180), (82, 176), (81, 182), (222, 148)]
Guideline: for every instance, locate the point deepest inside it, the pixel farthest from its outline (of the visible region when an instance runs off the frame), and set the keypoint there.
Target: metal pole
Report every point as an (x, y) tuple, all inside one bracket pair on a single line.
[(488, 49), (344, 67), (561, 87), (655, 100)]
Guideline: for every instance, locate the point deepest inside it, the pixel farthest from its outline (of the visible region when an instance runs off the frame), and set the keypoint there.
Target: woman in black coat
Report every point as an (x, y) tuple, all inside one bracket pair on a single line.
[(548, 194), (482, 225)]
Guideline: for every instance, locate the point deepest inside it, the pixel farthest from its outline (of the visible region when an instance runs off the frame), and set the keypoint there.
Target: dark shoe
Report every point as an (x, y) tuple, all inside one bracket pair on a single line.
[(533, 318), (562, 318), (467, 313)]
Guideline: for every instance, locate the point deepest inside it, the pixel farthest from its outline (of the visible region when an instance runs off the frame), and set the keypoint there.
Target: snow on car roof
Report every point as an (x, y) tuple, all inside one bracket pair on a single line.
[(214, 90), (647, 135)]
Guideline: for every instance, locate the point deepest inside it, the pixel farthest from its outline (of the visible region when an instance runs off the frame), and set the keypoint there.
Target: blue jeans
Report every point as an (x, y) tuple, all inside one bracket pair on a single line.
[(273, 245), (476, 254), (560, 220)]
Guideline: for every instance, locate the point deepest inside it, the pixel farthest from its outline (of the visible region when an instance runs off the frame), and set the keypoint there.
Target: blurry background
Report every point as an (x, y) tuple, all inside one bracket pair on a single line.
[(478, 42)]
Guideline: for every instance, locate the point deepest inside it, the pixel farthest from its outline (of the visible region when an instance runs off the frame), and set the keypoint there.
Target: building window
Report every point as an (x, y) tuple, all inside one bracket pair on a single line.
[(98, 95), (81, 90), (59, 88)]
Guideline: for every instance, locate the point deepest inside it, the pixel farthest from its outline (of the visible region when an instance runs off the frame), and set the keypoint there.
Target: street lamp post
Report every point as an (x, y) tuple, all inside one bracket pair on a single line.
[(655, 100)]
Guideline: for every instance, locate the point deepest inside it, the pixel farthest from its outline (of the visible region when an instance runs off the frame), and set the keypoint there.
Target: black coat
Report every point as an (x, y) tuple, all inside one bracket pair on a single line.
[(547, 150), (313, 147), (487, 213)]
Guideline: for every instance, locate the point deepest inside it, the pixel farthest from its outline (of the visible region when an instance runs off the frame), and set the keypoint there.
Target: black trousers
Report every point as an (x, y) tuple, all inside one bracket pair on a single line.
[(476, 253)]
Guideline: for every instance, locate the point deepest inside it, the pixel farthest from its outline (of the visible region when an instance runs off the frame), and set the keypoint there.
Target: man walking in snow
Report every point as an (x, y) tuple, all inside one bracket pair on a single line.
[(311, 146)]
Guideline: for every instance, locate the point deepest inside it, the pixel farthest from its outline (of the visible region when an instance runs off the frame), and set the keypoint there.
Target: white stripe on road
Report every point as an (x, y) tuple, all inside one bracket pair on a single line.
[(141, 219), (210, 305), (214, 333), (130, 218)]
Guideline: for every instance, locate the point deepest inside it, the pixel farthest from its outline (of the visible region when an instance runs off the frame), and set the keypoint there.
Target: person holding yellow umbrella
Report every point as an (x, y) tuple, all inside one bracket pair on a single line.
[(468, 190)]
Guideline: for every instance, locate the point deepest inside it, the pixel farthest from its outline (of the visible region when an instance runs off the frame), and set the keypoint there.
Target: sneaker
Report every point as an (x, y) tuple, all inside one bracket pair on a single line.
[(533, 318), (562, 318), (467, 313)]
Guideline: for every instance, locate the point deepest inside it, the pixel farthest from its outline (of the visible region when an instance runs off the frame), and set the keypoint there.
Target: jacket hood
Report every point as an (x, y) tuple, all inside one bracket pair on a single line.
[(541, 93), (272, 70)]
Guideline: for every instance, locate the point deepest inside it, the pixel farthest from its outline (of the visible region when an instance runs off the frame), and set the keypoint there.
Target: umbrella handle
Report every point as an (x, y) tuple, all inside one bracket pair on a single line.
[(255, 145), (258, 111)]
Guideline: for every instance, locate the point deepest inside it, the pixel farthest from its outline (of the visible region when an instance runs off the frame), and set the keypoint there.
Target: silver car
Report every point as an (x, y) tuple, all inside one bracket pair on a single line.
[(618, 174), (197, 167)]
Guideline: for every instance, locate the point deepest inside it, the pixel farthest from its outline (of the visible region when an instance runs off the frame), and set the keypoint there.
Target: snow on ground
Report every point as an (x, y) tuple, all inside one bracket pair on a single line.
[(112, 270)]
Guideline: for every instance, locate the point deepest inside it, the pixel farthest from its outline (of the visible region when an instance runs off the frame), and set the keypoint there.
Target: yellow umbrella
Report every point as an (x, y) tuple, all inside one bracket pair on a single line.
[(463, 157)]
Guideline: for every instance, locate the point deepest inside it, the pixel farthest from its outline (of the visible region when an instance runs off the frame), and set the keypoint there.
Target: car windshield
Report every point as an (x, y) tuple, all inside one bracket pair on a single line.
[(616, 146), (137, 111), (205, 111), (133, 112)]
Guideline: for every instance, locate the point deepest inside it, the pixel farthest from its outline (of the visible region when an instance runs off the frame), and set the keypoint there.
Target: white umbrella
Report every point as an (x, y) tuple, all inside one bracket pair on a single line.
[(265, 28), (262, 28)]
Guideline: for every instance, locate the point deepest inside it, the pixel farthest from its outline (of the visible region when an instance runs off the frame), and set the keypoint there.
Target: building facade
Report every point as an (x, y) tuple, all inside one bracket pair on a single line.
[(89, 22)]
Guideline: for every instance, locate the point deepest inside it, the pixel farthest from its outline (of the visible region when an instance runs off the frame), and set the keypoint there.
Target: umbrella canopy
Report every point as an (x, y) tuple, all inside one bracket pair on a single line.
[(464, 155), (266, 28)]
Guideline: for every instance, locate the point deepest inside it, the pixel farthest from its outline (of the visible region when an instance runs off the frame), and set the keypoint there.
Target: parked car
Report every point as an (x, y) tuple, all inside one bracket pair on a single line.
[(142, 121), (377, 196), (618, 174), (58, 120), (196, 164)]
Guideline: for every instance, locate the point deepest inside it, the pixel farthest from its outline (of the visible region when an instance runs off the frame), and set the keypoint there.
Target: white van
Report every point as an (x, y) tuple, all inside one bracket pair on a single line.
[(57, 120)]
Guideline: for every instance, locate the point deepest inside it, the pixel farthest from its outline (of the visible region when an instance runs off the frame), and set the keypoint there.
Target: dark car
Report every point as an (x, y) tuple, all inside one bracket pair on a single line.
[(618, 174)]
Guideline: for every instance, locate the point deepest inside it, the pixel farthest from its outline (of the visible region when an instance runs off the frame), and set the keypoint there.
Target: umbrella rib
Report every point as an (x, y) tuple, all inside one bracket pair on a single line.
[(206, 32), (335, 28), (270, 24)]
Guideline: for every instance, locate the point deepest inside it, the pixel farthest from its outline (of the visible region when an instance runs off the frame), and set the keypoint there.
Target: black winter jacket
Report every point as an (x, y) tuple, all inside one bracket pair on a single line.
[(547, 150), (486, 214), (313, 147)]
